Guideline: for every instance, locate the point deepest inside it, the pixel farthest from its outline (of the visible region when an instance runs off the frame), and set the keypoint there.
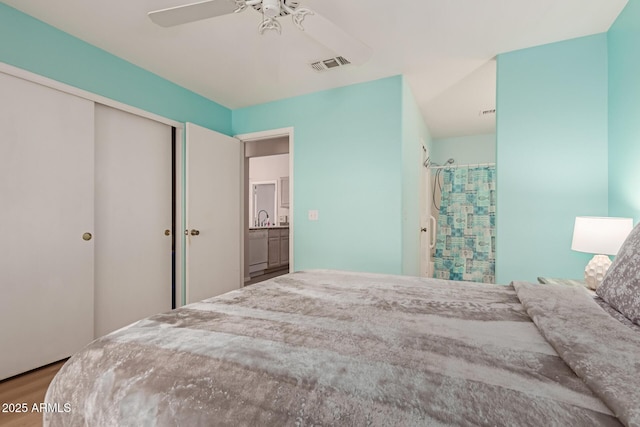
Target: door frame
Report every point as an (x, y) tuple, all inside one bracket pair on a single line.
[(426, 214), (264, 135)]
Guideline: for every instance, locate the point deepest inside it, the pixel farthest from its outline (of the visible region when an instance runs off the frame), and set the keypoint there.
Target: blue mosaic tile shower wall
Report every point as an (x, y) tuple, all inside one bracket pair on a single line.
[(465, 238)]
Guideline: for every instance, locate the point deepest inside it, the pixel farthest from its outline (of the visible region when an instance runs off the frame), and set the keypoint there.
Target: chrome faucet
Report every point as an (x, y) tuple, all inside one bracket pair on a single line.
[(261, 224)]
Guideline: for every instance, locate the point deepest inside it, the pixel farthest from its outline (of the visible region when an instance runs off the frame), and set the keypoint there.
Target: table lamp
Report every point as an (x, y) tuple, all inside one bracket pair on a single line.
[(601, 236)]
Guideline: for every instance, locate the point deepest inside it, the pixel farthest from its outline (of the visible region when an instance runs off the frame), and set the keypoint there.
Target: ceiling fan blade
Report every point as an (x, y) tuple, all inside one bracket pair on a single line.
[(335, 38), (192, 12)]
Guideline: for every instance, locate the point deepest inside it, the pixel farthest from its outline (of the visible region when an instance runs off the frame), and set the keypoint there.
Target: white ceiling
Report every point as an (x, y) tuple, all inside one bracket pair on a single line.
[(443, 47)]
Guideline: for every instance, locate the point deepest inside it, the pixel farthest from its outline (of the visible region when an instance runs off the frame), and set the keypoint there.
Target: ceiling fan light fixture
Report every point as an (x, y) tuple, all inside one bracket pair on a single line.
[(317, 28), (298, 16), (271, 8), (270, 24)]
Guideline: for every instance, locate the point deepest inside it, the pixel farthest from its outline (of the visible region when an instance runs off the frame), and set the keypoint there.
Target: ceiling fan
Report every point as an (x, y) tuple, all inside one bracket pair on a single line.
[(315, 25)]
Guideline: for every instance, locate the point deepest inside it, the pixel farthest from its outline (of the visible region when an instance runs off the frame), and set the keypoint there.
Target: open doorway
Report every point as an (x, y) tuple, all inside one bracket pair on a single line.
[(460, 178), (267, 214)]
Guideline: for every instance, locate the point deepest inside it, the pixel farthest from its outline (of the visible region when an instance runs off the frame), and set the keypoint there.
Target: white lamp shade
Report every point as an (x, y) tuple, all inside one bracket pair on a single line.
[(600, 235)]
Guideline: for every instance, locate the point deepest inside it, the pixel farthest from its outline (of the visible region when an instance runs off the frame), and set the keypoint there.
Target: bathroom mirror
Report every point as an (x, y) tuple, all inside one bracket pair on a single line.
[(263, 197)]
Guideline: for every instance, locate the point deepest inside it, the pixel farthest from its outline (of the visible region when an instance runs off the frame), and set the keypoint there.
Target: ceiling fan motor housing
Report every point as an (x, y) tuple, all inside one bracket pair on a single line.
[(271, 8)]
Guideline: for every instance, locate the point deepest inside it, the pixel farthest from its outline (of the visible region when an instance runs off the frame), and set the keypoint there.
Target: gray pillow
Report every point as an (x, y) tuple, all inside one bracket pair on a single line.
[(621, 285)]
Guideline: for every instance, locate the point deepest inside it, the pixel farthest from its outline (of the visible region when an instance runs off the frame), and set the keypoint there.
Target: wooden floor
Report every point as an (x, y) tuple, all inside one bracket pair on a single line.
[(27, 388)]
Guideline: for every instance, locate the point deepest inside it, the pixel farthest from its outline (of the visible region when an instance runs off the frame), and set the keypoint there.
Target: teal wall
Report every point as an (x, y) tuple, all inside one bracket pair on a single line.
[(351, 144), (567, 144), (551, 154), (40, 48), (347, 165), (414, 134), (465, 149), (624, 113)]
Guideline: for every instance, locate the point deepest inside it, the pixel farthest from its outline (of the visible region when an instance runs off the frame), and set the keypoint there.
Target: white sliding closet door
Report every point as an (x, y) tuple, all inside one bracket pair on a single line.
[(46, 205), (214, 214), (133, 211)]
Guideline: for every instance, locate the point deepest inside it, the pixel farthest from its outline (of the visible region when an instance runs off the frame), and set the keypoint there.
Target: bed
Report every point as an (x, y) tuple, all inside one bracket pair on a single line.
[(342, 348)]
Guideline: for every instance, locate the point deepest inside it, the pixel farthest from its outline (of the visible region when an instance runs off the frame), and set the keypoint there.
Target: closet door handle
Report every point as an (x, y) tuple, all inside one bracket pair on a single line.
[(195, 232)]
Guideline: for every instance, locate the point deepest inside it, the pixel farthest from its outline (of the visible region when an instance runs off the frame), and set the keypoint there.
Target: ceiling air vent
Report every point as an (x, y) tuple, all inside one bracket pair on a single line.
[(328, 64)]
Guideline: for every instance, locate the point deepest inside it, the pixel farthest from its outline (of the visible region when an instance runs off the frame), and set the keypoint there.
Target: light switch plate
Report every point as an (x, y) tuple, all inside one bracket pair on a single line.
[(313, 215)]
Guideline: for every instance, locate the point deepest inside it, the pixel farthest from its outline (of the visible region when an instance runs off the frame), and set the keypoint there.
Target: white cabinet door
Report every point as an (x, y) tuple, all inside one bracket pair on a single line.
[(46, 205), (213, 213), (133, 210), (274, 251), (284, 248)]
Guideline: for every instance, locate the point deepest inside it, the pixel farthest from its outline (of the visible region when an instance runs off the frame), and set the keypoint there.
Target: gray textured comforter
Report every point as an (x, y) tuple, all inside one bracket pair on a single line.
[(337, 348)]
